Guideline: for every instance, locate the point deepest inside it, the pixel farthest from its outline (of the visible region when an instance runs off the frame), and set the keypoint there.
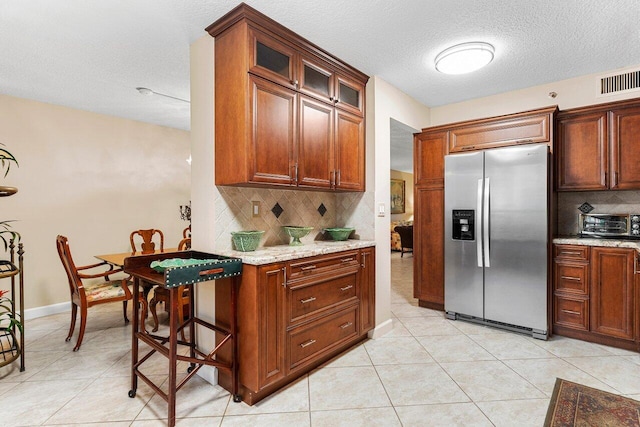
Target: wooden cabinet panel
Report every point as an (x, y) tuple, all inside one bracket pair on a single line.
[(514, 129), (271, 340), (305, 268), (272, 59), (272, 132), (429, 149), (582, 152), (349, 152), (315, 144), (368, 290), (349, 95), (612, 292), (625, 149), (428, 247), (571, 312)]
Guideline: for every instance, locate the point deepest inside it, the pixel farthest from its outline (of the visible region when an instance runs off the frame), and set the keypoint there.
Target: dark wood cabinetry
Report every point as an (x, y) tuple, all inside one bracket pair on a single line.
[(298, 314), (596, 295), (428, 237), (288, 114), (521, 128), (597, 147)]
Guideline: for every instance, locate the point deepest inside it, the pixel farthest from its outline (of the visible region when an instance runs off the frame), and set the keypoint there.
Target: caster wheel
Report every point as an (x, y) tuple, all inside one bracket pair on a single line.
[(237, 398), (132, 393), (190, 369)]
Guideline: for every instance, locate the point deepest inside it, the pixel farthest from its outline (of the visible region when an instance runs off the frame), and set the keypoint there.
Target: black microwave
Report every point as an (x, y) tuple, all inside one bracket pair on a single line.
[(610, 225)]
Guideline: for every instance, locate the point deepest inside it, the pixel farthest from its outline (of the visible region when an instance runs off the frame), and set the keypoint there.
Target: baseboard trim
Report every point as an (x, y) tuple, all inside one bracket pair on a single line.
[(34, 313), (381, 329)]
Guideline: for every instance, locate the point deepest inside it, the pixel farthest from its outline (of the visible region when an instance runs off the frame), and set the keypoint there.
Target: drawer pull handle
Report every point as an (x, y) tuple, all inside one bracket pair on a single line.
[(304, 301), (577, 279), (345, 260), (308, 343), (346, 288), (576, 313), (570, 253), (346, 325), (212, 271), (307, 268)]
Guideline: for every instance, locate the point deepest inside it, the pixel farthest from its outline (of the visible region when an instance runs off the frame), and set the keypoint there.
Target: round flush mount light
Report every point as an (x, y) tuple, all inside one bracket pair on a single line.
[(464, 58)]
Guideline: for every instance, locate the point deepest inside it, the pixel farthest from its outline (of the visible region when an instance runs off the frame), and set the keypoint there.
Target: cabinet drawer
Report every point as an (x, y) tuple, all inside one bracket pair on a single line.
[(313, 297), (309, 267), (571, 312), (307, 342), (575, 252), (571, 277)]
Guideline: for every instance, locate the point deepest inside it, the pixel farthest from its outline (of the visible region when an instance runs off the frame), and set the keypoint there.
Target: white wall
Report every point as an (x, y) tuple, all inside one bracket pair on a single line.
[(91, 177), (571, 93), (385, 102)]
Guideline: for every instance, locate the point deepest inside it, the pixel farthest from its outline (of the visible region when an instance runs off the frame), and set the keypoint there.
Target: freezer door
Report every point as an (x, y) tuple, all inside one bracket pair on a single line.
[(463, 290), (516, 251)]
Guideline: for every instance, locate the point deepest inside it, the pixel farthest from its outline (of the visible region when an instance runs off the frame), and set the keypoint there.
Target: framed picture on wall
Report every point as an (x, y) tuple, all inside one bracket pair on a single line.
[(397, 196)]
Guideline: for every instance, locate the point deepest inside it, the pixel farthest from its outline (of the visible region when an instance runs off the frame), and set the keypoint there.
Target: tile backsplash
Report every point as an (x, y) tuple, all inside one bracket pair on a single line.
[(602, 201), (302, 208)]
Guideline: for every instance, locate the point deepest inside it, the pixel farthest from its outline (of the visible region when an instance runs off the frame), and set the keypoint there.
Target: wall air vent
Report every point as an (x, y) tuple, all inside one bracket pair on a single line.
[(614, 84)]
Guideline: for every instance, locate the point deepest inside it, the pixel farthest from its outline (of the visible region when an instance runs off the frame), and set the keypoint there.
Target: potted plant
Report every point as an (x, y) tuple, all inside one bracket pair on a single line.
[(10, 320)]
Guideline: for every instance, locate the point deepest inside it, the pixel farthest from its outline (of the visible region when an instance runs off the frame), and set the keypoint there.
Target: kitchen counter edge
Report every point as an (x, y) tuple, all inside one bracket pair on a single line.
[(272, 254), (609, 243)]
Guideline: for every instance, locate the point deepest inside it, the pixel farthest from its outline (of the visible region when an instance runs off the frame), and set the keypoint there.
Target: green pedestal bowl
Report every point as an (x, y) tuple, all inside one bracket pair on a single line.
[(339, 233), (296, 233)]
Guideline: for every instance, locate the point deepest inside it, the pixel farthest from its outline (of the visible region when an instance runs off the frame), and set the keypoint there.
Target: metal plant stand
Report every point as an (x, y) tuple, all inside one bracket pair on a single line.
[(11, 337)]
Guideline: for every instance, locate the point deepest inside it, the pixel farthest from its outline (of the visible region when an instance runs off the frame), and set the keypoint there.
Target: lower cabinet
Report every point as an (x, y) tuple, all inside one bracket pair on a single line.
[(295, 315), (597, 295)]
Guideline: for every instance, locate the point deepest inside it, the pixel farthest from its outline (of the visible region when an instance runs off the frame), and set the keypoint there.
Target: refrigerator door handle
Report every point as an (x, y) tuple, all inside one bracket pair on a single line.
[(485, 222), (479, 214)]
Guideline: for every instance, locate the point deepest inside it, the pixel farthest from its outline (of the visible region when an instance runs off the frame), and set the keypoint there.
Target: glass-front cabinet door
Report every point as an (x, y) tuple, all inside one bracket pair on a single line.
[(316, 80), (349, 94), (272, 59)]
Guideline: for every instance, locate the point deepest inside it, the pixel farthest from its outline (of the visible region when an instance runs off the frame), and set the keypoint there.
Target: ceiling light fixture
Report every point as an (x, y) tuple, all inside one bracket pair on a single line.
[(464, 58), (148, 92)]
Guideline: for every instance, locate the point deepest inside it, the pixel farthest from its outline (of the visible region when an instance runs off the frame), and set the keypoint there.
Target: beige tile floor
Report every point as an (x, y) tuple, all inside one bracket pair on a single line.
[(427, 372)]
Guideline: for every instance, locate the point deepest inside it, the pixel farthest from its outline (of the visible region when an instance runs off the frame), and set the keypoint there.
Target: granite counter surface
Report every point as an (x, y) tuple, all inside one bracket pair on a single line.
[(271, 254), (609, 243)]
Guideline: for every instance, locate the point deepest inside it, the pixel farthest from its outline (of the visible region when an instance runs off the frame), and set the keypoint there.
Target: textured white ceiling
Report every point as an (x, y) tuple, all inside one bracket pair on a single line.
[(92, 54)]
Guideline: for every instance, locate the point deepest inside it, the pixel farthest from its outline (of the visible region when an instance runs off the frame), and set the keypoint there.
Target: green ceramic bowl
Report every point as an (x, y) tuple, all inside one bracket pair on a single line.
[(246, 241), (296, 233), (339, 233)]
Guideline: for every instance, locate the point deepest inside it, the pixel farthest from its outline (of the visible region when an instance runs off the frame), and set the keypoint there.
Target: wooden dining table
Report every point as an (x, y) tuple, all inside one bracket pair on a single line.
[(117, 260)]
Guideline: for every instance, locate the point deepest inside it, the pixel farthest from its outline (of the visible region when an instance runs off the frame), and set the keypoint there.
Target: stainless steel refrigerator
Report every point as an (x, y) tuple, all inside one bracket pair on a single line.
[(496, 237)]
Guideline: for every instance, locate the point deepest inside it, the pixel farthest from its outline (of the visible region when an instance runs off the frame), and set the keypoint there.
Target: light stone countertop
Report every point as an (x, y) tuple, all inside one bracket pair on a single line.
[(271, 254), (609, 243)]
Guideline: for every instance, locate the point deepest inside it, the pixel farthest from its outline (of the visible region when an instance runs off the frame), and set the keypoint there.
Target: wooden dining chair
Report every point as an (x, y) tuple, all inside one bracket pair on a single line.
[(87, 293), (152, 241), (162, 295), (186, 233)]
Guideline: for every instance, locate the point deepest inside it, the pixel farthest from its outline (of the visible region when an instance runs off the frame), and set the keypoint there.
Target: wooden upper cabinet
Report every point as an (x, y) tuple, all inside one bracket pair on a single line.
[(521, 128), (582, 151), (429, 149), (625, 149), (287, 113), (597, 147)]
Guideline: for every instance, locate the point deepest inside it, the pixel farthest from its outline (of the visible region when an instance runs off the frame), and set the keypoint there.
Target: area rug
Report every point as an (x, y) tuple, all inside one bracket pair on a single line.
[(581, 406)]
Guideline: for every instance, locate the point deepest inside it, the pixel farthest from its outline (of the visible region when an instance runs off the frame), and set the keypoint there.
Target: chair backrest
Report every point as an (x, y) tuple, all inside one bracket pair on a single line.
[(406, 235), (62, 244), (149, 239), (184, 244), (186, 233)]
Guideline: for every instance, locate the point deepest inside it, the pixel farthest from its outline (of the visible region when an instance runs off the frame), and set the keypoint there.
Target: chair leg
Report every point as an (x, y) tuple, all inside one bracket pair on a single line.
[(401, 252), (74, 312), (124, 309), (83, 325), (143, 313), (152, 308)]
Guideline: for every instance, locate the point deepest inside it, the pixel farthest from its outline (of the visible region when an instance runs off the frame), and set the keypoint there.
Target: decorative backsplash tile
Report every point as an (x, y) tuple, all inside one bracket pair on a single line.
[(602, 201), (322, 209)]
